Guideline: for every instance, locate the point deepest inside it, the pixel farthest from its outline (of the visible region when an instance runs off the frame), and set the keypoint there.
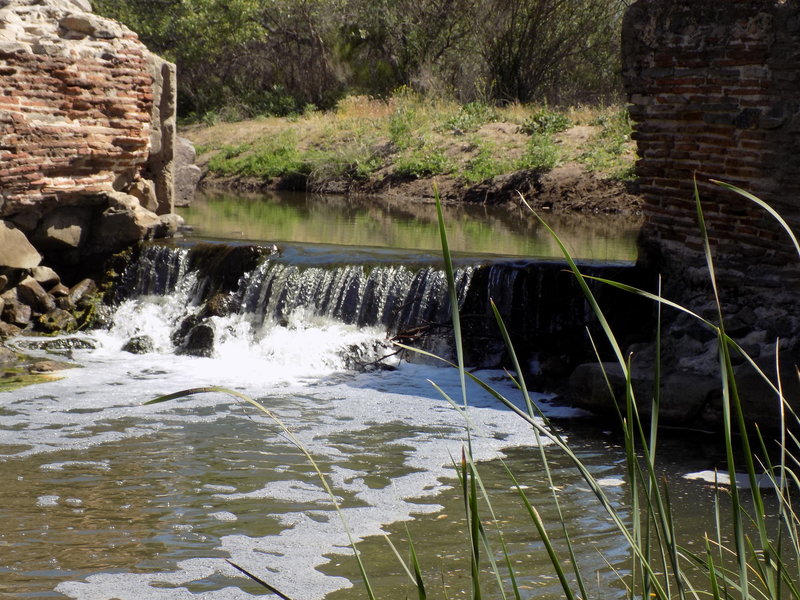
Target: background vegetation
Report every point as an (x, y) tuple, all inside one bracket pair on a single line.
[(409, 136), (242, 58)]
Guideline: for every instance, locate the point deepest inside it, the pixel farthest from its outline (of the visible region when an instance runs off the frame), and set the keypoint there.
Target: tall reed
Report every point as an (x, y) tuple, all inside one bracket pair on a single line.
[(761, 562)]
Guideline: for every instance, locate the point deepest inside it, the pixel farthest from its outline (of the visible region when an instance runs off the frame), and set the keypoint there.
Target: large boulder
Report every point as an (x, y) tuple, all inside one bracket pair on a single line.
[(15, 249), (65, 228)]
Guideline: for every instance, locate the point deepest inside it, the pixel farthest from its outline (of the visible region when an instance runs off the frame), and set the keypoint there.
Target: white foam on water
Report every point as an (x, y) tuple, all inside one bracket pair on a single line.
[(47, 500), (302, 365), (99, 465), (223, 515), (723, 478)]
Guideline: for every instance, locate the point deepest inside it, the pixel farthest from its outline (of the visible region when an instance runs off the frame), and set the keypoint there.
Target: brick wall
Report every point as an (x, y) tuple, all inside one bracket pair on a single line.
[(71, 126), (85, 109), (713, 87)]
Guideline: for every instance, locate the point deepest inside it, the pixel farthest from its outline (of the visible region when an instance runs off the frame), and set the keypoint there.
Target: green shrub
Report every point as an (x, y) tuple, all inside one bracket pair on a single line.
[(545, 122), (401, 126), (606, 150), (423, 162), (273, 157), (470, 116), (486, 165), (542, 154)]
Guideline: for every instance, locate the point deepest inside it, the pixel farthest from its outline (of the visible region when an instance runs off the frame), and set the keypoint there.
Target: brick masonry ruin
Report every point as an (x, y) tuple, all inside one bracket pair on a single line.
[(87, 153), (87, 120), (713, 90)]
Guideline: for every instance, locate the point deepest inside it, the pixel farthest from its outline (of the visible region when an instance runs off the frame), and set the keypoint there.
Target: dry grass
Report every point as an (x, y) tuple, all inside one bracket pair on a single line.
[(412, 136)]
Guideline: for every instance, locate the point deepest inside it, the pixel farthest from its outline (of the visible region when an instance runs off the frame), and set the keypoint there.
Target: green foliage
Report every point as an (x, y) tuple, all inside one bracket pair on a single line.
[(354, 162), (546, 122), (255, 57), (272, 157), (470, 117), (606, 151), (485, 165), (424, 161), (542, 154), (401, 125)]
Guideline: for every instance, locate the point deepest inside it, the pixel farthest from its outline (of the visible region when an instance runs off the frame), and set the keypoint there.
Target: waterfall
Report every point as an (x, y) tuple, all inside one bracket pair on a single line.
[(208, 292)]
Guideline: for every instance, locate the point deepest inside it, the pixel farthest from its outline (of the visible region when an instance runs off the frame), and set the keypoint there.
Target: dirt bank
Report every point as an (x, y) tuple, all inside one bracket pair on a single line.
[(567, 187)]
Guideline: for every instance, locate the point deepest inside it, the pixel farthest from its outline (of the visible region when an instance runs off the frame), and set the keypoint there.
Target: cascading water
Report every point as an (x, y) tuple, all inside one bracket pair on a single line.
[(166, 493)]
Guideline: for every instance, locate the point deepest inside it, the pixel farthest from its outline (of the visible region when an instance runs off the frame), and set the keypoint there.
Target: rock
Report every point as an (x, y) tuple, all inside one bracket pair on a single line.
[(57, 320), (124, 222), (82, 291), (161, 161), (83, 5), (144, 191), (64, 228), (7, 356), (684, 396), (8, 330), (760, 403), (199, 341), (33, 294), (186, 180), (45, 276), (85, 23), (16, 313), (15, 249), (63, 346), (46, 366), (187, 174), (170, 225), (59, 291), (3, 283), (219, 305), (99, 316), (140, 344)]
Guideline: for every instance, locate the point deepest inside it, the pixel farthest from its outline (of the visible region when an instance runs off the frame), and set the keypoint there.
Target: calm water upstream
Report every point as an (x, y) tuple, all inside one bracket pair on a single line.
[(104, 498)]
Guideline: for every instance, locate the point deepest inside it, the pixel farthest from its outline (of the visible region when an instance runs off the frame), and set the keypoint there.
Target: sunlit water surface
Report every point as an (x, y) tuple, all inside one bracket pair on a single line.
[(104, 497)]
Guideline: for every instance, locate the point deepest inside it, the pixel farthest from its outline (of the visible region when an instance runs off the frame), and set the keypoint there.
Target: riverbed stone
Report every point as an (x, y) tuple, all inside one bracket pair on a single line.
[(57, 320), (685, 396), (7, 356), (82, 290), (199, 341), (8, 330), (64, 228), (15, 249), (45, 276), (140, 344), (34, 295), (59, 291), (16, 313)]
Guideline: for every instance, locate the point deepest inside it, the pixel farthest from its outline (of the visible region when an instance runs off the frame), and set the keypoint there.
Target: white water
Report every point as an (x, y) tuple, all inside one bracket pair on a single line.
[(298, 371)]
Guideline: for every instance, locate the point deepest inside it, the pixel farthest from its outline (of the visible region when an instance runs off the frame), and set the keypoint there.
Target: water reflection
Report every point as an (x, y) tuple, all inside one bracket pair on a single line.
[(388, 223)]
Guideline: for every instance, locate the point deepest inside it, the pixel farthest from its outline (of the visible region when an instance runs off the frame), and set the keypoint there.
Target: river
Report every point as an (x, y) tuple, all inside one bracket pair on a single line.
[(106, 497)]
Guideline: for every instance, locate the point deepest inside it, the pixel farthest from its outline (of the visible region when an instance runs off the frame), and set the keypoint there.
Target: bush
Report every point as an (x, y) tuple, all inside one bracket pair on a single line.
[(423, 162), (546, 122)]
